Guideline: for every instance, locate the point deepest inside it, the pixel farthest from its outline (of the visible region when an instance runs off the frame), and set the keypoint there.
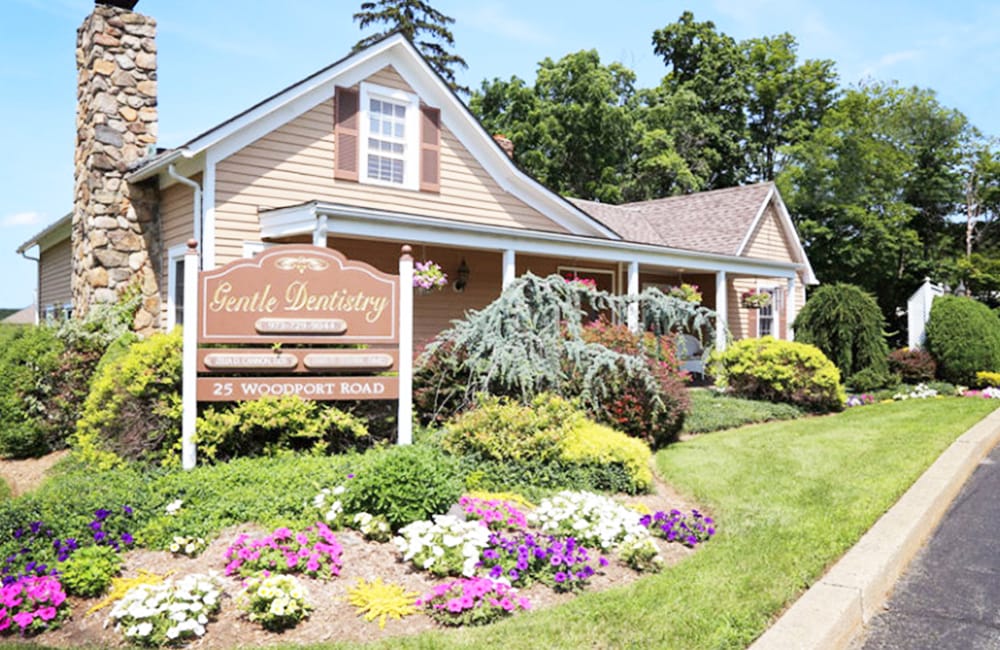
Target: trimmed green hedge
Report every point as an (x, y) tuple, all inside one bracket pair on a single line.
[(964, 337)]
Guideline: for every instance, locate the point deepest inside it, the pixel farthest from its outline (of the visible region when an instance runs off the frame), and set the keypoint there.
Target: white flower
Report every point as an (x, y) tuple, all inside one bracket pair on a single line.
[(174, 506), (143, 629)]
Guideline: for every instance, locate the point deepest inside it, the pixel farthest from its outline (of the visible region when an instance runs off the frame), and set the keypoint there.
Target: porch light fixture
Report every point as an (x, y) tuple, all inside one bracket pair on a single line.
[(461, 276)]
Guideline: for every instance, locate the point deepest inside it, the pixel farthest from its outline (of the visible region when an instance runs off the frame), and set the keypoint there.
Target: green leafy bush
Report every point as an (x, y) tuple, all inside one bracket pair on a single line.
[(963, 335), (714, 412), (550, 443), (781, 371), (88, 572), (912, 366), (870, 379), (29, 362), (404, 484), (134, 407), (847, 325), (531, 340), (272, 423), (503, 429)]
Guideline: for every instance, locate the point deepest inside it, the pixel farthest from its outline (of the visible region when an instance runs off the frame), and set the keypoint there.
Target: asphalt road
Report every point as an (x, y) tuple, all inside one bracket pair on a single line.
[(949, 597)]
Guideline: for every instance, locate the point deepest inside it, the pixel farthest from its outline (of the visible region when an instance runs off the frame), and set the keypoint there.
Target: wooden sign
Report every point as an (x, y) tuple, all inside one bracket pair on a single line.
[(302, 294), (231, 389)]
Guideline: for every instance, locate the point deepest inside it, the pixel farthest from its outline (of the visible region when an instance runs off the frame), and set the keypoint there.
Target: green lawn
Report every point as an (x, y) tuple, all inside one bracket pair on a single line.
[(789, 498)]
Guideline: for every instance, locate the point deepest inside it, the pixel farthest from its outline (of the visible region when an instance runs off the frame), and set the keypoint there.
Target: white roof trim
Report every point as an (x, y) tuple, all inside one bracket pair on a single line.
[(415, 229), (55, 232), (785, 219), (233, 135)]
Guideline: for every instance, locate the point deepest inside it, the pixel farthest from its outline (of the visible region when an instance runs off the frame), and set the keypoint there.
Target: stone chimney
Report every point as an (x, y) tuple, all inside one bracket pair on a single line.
[(505, 144), (115, 224)]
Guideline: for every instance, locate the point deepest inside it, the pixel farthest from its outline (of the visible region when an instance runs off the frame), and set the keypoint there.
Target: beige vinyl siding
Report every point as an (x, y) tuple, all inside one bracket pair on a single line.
[(768, 240), (294, 164), (176, 226), (55, 276)]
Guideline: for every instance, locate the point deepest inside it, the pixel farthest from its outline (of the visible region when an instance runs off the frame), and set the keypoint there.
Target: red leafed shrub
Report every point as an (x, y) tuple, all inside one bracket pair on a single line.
[(631, 405), (913, 366)]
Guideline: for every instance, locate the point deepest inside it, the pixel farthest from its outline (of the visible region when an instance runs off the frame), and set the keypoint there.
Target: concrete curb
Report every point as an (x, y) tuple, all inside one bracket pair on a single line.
[(832, 613)]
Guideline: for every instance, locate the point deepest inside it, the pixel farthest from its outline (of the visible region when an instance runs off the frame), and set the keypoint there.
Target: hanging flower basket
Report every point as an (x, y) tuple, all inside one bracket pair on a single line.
[(428, 276), (687, 292), (754, 299)]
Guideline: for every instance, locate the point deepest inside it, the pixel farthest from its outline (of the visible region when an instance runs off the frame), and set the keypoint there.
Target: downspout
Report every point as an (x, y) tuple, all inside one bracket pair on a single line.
[(38, 282), (196, 206)]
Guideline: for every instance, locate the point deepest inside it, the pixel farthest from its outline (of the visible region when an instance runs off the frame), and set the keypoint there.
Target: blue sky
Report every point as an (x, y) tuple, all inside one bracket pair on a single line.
[(218, 57)]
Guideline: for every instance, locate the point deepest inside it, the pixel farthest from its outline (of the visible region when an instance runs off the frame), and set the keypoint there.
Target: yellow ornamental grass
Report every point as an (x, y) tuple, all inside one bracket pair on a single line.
[(378, 600), (121, 586)]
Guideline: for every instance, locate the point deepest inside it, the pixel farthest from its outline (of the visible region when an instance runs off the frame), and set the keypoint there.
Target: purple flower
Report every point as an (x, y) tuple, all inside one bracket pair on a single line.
[(127, 510), (127, 539), (559, 576)]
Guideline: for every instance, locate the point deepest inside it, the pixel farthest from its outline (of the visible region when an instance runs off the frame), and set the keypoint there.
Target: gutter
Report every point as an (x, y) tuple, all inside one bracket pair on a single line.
[(196, 203)]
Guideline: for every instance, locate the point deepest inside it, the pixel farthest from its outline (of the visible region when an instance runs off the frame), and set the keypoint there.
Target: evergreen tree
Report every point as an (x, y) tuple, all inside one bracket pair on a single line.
[(420, 24)]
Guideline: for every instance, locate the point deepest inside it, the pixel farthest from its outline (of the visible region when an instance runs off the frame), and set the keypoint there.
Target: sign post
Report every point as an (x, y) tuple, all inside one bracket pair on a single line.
[(189, 403), (404, 419)]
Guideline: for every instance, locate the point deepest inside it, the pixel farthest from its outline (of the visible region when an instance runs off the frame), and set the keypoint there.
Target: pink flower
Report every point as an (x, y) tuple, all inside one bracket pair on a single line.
[(24, 619), (58, 598), (46, 613), (4, 623), (302, 538)]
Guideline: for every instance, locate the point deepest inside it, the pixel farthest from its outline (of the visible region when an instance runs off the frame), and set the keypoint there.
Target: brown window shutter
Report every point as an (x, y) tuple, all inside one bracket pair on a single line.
[(345, 133), (430, 149)]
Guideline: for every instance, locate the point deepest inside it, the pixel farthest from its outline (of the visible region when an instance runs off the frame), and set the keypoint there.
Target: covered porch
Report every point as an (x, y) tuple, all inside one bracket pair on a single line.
[(493, 256)]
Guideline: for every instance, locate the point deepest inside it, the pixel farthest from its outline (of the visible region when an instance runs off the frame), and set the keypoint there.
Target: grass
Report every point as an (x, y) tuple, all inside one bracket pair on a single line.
[(713, 412), (790, 498)]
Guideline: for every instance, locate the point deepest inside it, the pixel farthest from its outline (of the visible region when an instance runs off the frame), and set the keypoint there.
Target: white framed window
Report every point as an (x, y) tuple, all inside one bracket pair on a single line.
[(767, 317), (175, 285), (390, 137)]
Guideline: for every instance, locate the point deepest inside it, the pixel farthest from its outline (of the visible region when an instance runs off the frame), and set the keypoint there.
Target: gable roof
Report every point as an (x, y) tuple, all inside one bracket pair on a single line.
[(717, 221), (394, 50)]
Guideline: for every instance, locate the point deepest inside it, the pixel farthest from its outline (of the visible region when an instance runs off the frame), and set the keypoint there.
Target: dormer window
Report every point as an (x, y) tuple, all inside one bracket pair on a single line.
[(385, 136)]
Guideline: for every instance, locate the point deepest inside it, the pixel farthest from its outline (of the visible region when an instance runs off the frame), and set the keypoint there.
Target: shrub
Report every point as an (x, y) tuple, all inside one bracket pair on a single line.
[(912, 366), (963, 335), (870, 379), (89, 571), (530, 340), (653, 412), (271, 423), (45, 374), (404, 484), (991, 379), (781, 371), (847, 325), (589, 443), (546, 441), (503, 429), (28, 367), (134, 406)]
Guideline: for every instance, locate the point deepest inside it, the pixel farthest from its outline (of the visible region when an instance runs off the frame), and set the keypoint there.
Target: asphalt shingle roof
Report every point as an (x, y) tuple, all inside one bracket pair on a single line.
[(713, 222)]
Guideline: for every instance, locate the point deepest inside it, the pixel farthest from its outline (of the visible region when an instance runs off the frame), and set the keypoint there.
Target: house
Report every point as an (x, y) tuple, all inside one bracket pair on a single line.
[(366, 154)]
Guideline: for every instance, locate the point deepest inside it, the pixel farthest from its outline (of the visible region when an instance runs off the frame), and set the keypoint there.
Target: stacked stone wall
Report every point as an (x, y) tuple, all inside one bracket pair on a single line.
[(115, 224)]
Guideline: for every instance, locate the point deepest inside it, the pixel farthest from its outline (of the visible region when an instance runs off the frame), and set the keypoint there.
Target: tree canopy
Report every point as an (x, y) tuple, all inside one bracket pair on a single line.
[(419, 23)]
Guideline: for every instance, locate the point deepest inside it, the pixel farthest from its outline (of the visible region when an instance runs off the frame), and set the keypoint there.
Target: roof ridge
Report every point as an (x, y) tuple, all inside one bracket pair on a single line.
[(703, 193)]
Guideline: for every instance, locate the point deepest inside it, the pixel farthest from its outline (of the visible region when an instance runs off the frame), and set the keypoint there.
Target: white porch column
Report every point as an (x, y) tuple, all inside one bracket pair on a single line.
[(722, 309), (790, 309), (633, 290), (189, 357), (404, 417), (509, 267), (320, 231)]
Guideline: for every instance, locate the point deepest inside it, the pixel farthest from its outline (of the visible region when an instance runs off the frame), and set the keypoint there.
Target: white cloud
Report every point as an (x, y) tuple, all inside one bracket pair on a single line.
[(497, 20), (21, 219), (890, 60)]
